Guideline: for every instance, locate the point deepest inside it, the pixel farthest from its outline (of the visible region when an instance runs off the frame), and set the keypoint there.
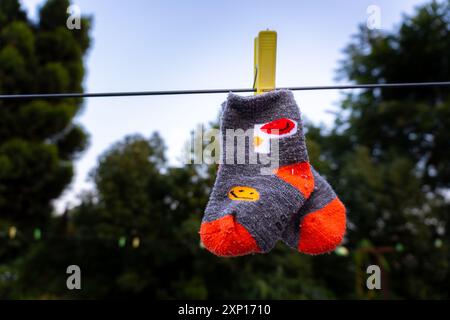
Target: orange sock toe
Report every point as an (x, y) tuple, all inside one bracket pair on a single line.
[(226, 237), (322, 230)]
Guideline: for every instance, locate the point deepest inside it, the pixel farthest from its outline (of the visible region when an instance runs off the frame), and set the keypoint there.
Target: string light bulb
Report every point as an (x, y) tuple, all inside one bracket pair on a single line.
[(136, 242), (12, 232), (122, 242), (438, 243), (341, 251), (37, 234)]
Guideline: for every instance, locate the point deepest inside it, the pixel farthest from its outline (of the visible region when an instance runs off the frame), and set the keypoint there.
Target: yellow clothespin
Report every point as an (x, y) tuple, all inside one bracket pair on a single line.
[(265, 57)]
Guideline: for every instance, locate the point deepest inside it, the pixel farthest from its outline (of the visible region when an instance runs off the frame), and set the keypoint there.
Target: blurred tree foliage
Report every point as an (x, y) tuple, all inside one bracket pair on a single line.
[(387, 157), (38, 138), (139, 196), (388, 154)]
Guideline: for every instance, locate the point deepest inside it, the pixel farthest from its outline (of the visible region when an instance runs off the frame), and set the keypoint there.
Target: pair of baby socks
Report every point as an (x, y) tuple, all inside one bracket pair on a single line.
[(250, 209)]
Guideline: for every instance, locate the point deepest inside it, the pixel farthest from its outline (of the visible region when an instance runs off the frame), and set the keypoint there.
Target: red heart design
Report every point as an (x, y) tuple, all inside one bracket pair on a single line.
[(279, 126)]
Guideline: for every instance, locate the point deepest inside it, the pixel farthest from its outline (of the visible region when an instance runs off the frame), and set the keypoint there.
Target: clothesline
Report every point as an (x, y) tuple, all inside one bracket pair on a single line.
[(212, 91)]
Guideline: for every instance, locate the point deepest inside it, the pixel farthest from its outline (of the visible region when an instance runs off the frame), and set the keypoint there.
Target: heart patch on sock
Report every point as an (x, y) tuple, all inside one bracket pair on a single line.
[(276, 129)]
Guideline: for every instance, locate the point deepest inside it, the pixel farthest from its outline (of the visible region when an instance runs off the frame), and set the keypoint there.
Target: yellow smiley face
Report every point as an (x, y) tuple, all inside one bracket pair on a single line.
[(243, 194)]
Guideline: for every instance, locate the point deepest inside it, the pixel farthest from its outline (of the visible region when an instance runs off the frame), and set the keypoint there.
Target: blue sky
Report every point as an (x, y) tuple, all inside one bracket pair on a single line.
[(168, 44)]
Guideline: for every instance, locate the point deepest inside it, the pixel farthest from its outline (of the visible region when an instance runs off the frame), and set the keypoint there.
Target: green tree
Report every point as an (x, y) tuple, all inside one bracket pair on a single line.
[(389, 150), (38, 138), (412, 122)]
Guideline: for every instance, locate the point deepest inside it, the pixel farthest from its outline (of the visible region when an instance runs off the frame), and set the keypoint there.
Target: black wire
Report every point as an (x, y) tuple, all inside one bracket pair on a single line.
[(210, 91), (374, 86)]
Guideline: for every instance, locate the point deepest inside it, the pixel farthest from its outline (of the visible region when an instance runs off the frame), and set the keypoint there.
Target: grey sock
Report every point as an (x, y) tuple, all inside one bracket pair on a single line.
[(247, 211), (319, 226)]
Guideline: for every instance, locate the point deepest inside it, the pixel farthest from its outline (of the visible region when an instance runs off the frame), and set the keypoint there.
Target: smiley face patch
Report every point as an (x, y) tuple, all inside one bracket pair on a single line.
[(242, 193), (276, 129)]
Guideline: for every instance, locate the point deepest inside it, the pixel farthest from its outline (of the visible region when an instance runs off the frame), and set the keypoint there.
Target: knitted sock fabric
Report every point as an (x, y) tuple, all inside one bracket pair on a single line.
[(320, 224), (248, 212)]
